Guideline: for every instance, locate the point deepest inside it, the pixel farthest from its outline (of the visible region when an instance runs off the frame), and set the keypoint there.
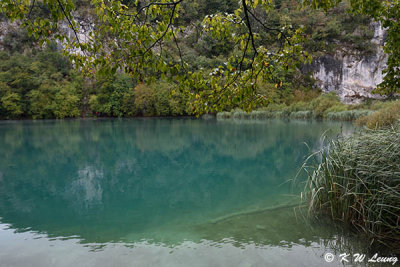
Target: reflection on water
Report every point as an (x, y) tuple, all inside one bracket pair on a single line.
[(157, 185)]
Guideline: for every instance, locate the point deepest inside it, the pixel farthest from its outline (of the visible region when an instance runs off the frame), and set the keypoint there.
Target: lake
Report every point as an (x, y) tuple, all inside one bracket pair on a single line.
[(161, 192)]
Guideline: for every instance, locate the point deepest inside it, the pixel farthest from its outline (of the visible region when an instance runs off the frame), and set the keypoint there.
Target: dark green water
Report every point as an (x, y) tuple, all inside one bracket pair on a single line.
[(159, 192)]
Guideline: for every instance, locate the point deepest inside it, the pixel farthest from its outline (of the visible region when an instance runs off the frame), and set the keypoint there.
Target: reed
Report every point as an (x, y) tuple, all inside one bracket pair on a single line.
[(348, 115), (302, 115), (262, 115), (356, 180), (388, 114), (224, 115)]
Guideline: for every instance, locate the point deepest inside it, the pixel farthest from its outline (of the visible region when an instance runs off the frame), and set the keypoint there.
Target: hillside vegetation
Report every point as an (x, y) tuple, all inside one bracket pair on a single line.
[(373, 114), (39, 83)]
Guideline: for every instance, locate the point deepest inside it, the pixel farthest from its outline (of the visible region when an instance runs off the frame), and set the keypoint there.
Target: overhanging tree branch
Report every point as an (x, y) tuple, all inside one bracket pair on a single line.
[(171, 19), (248, 23), (69, 22)]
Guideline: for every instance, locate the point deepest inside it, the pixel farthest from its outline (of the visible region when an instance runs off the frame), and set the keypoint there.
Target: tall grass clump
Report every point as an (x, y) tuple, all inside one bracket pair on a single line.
[(357, 181), (274, 107), (262, 115), (224, 115), (238, 114), (302, 115), (348, 115), (387, 115), (323, 103)]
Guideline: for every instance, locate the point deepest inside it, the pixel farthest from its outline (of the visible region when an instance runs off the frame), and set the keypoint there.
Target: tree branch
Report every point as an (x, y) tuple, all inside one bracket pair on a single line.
[(171, 19), (31, 8), (136, 16), (248, 23), (269, 28), (179, 49), (69, 22)]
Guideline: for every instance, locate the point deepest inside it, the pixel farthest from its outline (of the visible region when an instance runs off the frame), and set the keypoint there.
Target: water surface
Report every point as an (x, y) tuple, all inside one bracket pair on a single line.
[(159, 192)]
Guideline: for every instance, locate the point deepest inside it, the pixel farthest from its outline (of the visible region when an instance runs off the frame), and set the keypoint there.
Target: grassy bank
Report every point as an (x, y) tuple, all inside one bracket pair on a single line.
[(349, 115), (372, 114), (357, 181)]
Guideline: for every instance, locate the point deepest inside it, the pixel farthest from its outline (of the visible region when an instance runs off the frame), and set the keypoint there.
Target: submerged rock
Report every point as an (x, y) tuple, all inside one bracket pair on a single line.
[(260, 227)]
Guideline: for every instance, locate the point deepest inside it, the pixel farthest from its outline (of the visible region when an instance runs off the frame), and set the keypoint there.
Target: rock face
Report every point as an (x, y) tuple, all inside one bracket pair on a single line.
[(85, 27), (353, 77)]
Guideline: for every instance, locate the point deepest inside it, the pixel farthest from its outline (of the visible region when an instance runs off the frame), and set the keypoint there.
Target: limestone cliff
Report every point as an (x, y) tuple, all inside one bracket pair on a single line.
[(352, 75)]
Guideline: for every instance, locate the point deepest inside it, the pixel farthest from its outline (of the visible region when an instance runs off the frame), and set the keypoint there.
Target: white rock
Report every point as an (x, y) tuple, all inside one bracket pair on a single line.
[(353, 77)]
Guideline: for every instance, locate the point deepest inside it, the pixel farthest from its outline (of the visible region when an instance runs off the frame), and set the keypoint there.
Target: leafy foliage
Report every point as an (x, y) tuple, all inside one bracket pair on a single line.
[(11, 104), (388, 115), (372, 114), (39, 86), (217, 55), (130, 35), (113, 96), (159, 99)]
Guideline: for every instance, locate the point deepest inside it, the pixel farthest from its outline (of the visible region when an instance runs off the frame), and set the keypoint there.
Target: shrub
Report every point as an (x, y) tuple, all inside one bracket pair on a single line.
[(94, 103), (269, 90), (11, 103), (337, 108), (305, 94), (40, 101), (274, 107), (159, 99), (387, 116), (40, 85), (113, 96), (323, 103), (144, 100), (65, 103), (377, 105), (326, 106), (300, 106)]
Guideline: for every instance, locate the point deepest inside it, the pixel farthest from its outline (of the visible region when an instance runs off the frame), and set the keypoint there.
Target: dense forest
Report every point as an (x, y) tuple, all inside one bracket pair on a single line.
[(37, 81)]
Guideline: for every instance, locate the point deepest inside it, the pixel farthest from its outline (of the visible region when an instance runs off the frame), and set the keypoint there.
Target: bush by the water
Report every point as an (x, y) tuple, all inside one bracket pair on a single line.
[(307, 114), (117, 96), (224, 115), (348, 115), (387, 115), (358, 182), (325, 106), (39, 86), (256, 115), (43, 85)]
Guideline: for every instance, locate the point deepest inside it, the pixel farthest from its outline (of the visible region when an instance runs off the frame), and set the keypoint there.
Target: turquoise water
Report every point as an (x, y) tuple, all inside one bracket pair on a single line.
[(159, 192)]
